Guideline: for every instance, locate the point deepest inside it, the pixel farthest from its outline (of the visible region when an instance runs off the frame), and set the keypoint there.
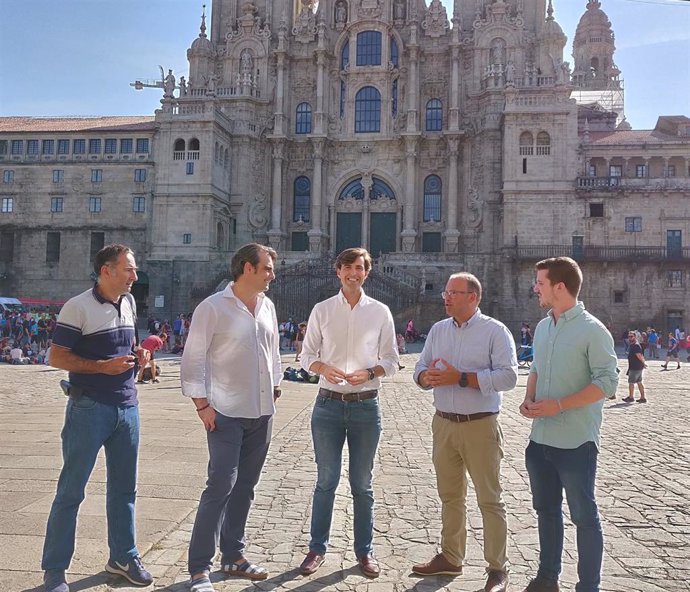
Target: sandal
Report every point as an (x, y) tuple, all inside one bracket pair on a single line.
[(245, 570)]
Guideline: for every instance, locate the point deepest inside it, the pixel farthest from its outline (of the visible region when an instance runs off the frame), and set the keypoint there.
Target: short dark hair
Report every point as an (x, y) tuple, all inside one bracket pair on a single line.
[(249, 253), (109, 255), (349, 256), (473, 284), (565, 270)]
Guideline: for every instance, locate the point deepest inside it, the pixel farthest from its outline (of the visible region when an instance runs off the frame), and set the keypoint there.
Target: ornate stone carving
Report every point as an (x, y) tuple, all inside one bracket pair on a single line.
[(305, 24), (340, 15), (435, 22), (257, 212), (248, 25), (475, 207), (369, 9)]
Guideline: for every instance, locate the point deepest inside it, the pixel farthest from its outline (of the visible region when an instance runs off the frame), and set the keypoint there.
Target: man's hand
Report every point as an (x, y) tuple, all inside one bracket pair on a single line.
[(332, 374), (208, 418), (543, 408), (276, 393), (114, 366), (441, 373), (358, 377)]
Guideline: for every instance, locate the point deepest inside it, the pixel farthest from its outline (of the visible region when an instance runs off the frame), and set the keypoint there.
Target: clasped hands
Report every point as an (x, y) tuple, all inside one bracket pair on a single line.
[(336, 376), (444, 375), (542, 408)]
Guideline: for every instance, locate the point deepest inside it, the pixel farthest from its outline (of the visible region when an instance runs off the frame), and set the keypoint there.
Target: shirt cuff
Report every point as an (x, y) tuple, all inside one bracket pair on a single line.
[(194, 390)]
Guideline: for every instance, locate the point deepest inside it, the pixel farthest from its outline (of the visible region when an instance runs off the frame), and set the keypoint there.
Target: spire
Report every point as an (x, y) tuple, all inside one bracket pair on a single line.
[(202, 29), (549, 12)]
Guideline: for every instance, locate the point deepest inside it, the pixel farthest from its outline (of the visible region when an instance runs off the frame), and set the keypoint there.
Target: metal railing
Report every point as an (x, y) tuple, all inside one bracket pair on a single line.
[(602, 253)]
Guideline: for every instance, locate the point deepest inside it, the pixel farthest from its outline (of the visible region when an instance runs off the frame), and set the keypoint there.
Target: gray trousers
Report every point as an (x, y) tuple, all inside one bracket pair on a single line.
[(237, 451)]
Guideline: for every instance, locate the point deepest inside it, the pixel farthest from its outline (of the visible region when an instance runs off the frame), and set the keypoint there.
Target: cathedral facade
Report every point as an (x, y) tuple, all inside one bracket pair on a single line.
[(439, 142)]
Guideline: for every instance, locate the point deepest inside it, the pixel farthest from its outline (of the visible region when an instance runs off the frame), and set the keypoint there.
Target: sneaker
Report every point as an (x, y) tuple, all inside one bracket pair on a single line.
[(54, 581), (611, 398), (155, 380), (134, 571), (628, 400), (438, 566), (542, 585)]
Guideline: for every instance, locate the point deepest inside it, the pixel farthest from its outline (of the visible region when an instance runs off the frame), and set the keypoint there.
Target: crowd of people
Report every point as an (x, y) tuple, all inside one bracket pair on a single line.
[(26, 336)]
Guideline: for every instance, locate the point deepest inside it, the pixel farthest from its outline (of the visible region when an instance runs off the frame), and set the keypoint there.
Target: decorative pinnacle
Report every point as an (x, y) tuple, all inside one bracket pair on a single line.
[(203, 21), (549, 12)]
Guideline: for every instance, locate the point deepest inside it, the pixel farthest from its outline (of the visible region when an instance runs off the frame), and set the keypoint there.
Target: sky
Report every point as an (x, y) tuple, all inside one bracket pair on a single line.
[(78, 57)]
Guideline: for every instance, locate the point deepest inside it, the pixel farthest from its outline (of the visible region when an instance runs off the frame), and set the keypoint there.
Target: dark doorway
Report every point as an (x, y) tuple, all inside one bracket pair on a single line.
[(382, 233), (349, 231)]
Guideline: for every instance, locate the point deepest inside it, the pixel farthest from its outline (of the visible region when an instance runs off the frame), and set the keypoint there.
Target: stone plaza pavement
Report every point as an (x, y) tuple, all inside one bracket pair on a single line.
[(644, 491)]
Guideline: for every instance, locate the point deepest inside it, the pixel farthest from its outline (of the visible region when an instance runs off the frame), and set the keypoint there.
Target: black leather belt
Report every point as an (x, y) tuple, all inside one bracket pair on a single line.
[(348, 397), (461, 417)]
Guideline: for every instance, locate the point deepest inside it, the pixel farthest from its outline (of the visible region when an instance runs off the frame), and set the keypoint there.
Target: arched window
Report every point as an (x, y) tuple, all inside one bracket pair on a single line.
[(394, 98), (302, 199), (367, 110), (432, 198), (434, 115), (194, 144), (394, 52), (345, 55), (220, 236), (225, 159), (216, 153), (526, 144), (179, 145), (342, 99), (380, 188), (369, 48), (303, 119), (543, 144), (353, 189)]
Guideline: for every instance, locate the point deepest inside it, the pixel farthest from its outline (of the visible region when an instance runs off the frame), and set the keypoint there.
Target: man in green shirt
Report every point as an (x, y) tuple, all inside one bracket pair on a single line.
[(574, 370)]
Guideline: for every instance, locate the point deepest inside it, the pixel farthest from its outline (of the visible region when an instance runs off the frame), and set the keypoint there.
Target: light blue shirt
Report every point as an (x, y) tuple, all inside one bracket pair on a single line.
[(568, 356), (482, 345)]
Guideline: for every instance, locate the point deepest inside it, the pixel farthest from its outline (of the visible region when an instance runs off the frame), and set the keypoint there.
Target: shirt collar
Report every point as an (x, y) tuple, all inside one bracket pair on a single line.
[(363, 299), (571, 313), (469, 322), (229, 292), (99, 298)]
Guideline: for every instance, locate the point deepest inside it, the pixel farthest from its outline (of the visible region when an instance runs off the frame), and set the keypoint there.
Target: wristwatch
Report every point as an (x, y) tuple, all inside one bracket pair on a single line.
[(372, 373), (463, 382)]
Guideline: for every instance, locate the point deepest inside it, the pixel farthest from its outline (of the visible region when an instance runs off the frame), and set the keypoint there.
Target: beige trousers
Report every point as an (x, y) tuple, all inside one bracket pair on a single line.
[(474, 448)]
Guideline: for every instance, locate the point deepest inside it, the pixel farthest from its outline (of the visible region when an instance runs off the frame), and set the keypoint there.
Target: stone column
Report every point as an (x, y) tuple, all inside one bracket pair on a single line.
[(316, 234), (452, 233), (454, 112), (413, 83), (280, 93), (275, 234), (409, 234), (367, 183), (320, 70)]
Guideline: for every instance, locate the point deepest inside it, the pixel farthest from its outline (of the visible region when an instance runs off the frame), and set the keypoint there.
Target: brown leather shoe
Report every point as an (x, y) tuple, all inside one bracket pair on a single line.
[(438, 566), (496, 581), (369, 566), (541, 585), (311, 563)]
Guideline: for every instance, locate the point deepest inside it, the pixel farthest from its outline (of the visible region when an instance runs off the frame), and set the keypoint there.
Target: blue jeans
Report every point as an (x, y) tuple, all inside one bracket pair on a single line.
[(237, 451), (332, 422), (90, 425), (551, 470)]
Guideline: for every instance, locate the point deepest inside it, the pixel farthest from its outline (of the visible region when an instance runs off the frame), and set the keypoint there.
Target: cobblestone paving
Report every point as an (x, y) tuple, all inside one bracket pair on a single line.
[(644, 495)]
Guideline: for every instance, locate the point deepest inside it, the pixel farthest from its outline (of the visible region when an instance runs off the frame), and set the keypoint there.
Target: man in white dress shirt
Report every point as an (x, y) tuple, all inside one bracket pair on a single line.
[(350, 342), (469, 360), (231, 371)]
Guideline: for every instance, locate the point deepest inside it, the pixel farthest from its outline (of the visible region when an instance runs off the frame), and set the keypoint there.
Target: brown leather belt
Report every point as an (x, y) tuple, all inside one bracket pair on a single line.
[(348, 397), (460, 417)]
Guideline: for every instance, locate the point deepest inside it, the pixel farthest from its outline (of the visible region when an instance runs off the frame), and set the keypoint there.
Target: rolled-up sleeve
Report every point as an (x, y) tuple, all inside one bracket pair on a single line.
[(193, 368), (388, 348), (603, 362), (503, 374), (425, 359), (311, 345), (277, 369)]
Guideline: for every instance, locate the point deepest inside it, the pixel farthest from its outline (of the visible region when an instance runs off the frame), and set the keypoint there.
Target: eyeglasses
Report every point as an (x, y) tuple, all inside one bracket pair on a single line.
[(453, 293)]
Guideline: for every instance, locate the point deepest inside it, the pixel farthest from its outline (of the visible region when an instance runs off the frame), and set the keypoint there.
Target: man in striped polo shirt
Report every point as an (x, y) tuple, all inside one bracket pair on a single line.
[(95, 340)]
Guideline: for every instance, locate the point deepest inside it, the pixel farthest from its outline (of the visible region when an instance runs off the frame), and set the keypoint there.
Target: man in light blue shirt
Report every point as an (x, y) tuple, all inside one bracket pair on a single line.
[(469, 360), (574, 370)]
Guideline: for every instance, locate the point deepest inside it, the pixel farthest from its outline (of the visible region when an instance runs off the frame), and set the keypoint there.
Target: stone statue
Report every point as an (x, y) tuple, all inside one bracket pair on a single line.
[(340, 13), (211, 84), (183, 86), (399, 10), (510, 73), (169, 85), (246, 62)]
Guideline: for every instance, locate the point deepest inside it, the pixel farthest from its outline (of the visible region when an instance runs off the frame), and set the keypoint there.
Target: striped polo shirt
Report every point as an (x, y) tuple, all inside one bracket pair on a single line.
[(97, 329)]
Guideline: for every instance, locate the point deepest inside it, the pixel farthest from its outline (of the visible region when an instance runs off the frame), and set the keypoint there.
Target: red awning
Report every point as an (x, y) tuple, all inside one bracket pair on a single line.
[(41, 302)]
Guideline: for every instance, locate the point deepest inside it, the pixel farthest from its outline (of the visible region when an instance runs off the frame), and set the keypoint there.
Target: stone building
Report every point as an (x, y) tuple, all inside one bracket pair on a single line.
[(440, 142)]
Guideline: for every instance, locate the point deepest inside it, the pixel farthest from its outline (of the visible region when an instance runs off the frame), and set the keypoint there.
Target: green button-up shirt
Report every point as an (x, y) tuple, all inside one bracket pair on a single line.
[(568, 356)]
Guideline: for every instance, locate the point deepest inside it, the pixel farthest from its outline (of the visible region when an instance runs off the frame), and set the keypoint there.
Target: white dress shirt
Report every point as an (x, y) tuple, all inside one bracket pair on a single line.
[(482, 345), (231, 357), (351, 339)]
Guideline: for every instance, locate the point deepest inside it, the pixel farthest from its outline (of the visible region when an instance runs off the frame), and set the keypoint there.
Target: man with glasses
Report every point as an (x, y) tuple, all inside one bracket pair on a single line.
[(468, 360)]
